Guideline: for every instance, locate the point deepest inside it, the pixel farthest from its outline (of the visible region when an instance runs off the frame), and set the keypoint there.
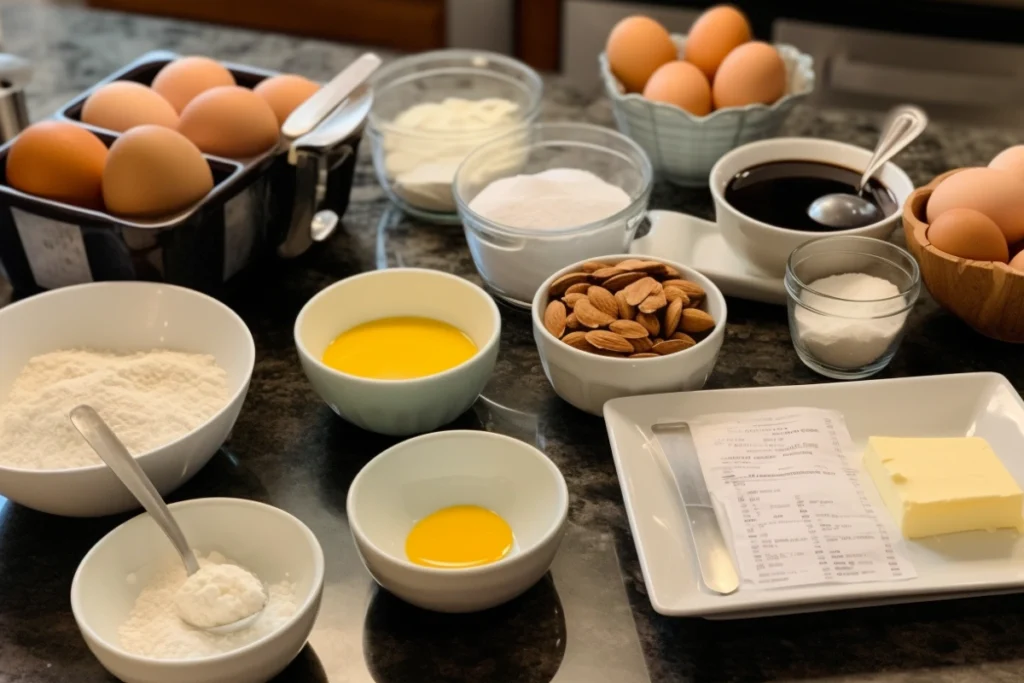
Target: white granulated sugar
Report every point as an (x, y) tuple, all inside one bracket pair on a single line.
[(219, 594), (154, 629), (552, 199), (149, 399)]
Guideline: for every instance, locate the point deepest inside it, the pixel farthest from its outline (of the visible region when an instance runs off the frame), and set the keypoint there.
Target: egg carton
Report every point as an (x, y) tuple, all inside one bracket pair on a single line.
[(252, 213)]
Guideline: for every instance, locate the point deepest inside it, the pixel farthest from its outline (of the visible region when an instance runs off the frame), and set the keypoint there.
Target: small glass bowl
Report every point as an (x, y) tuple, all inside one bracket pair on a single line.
[(513, 262), (434, 77), (846, 338)]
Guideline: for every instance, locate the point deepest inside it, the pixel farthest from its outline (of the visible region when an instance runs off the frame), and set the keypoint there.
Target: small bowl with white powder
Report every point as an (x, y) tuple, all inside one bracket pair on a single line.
[(543, 197), (125, 594), (432, 109), (849, 298)]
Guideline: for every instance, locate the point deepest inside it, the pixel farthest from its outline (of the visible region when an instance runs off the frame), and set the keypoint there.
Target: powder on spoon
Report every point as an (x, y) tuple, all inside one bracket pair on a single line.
[(219, 594)]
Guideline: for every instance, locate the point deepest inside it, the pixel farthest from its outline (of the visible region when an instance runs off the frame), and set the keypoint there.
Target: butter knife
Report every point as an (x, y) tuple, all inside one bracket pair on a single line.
[(713, 558)]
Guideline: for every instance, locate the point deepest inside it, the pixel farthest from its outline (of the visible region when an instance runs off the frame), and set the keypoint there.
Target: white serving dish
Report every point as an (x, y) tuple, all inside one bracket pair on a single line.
[(974, 404), (587, 380), (417, 477), (768, 247), (123, 317), (699, 244), (399, 407), (684, 147), (266, 540)]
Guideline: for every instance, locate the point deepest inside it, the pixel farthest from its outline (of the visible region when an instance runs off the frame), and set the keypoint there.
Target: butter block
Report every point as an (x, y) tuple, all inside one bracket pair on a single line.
[(942, 486)]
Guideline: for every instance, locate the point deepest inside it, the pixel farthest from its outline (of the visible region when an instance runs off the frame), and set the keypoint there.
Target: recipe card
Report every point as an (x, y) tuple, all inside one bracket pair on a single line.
[(794, 504)]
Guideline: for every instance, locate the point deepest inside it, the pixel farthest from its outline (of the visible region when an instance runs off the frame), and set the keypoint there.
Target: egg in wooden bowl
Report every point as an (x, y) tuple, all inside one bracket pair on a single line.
[(986, 294)]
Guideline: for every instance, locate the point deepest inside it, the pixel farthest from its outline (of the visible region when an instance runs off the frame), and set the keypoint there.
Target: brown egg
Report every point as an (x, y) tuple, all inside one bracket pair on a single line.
[(285, 93), (1010, 160), (184, 78), (636, 47), (997, 194), (153, 172), (1017, 262), (58, 160), (968, 234), (715, 34), (124, 104), (681, 84), (753, 73), (230, 121)]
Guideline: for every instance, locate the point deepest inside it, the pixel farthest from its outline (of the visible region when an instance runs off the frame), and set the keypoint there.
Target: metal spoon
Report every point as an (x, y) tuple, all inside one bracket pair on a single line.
[(110, 449), (845, 211)]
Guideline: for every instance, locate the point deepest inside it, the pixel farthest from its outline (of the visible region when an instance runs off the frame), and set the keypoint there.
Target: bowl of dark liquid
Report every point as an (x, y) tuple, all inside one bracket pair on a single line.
[(762, 191)]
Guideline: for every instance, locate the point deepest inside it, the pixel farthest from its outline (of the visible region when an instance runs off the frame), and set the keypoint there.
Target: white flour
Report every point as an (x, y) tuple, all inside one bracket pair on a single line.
[(154, 629), (219, 594), (148, 399)]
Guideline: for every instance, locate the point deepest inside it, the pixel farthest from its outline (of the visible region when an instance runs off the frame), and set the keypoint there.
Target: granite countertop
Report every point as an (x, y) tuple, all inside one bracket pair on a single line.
[(591, 620)]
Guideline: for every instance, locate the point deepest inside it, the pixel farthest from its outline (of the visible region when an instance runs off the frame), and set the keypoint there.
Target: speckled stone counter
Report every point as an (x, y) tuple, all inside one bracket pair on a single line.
[(590, 622)]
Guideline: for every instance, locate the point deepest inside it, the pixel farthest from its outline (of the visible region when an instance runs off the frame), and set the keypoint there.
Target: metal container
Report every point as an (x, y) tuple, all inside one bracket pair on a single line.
[(255, 207)]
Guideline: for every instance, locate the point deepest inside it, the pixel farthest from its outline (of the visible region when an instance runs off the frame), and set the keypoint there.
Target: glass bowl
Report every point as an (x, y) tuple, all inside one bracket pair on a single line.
[(853, 334), (513, 262), (415, 167)]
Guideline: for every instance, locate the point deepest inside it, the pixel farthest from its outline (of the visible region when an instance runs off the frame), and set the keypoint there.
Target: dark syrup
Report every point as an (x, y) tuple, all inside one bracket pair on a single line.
[(779, 192)]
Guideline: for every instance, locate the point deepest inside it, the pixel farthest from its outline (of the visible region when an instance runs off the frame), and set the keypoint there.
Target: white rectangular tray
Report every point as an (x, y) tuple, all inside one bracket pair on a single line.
[(977, 404)]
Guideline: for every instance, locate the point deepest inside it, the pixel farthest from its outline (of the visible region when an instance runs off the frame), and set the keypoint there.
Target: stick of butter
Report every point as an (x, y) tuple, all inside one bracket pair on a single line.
[(941, 486)]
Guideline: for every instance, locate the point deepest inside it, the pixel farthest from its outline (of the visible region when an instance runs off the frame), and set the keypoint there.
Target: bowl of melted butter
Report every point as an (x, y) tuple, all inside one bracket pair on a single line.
[(399, 351), (458, 521)]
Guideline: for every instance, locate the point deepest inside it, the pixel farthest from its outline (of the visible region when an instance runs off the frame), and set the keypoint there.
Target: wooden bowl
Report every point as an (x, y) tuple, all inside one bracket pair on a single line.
[(988, 296)]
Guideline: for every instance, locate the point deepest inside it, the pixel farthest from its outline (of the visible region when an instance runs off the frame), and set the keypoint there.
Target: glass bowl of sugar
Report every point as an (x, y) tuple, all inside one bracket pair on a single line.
[(432, 109), (849, 298), (540, 198)]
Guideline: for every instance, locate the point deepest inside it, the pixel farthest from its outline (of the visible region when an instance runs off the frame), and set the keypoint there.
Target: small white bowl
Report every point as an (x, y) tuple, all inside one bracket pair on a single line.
[(399, 407), (123, 317), (587, 380), (266, 540), (684, 147), (417, 477), (767, 246)]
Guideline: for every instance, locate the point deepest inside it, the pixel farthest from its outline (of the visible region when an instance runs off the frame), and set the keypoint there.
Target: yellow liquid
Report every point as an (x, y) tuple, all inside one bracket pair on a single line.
[(399, 348), (458, 537)]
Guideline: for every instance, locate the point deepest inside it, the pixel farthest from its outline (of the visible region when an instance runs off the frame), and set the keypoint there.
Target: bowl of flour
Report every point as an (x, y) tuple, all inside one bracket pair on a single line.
[(123, 595), (167, 367)]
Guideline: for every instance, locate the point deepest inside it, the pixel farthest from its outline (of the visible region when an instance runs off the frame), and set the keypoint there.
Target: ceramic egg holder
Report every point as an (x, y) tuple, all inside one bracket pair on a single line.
[(46, 244)]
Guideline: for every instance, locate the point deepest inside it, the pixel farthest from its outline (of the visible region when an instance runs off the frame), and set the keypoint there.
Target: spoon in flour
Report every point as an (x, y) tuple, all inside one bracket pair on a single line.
[(201, 600)]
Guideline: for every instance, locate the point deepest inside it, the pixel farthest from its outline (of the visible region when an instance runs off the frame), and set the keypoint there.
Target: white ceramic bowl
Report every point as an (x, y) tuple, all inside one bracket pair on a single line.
[(684, 147), (417, 477), (266, 540), (587, 380), (767, 246), (123, 317), (399, 407)]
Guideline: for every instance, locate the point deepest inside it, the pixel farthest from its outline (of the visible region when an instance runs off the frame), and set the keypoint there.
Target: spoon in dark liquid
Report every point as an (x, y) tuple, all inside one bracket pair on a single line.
[(844, 211)]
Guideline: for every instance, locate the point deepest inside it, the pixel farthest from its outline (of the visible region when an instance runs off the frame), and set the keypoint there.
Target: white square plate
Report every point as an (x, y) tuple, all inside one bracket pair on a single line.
[(978, 404)]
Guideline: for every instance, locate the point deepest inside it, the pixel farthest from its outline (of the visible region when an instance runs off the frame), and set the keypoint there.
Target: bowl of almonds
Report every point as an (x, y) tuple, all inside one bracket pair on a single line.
[(627, 325)]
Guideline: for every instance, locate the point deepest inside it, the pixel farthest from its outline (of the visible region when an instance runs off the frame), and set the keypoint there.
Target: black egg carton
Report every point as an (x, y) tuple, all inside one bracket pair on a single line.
[(240, 223)]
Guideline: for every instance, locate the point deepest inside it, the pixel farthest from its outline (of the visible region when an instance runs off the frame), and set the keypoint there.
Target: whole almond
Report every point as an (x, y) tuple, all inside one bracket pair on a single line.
[(643, 355), (672, 315), (578, 288), (629, 329), (603, 300), (631, 264), (626, 312), (609, 341), (642, 345), (617, 282), (695, 320), (640, 290), (649, 321), (692, 289), (655, 268), (591, 266), (571, 323), (606, 272), (577, 340), (670, 271), (562, 284), (682, 336), (571, 299), (653, 303), (591, 316), (670, 346), (673, 293), (554, 318)]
